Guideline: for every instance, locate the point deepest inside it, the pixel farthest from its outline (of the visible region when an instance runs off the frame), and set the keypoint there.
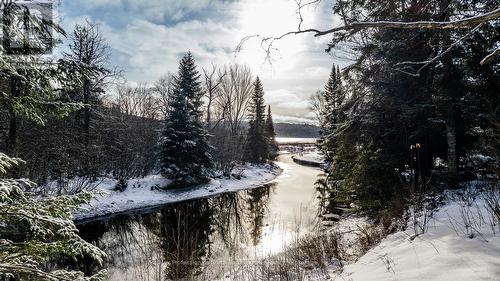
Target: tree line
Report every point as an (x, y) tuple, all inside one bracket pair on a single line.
[(116, 130)]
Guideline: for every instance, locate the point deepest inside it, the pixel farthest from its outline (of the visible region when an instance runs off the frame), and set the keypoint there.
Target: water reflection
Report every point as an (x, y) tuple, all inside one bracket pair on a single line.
[(206, 238), (174, 242), (257, 201)]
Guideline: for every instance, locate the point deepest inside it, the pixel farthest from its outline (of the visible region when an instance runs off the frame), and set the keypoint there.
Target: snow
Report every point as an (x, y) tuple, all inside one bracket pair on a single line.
[(141, 192), (282, 140), (444, 252), (314, 157)]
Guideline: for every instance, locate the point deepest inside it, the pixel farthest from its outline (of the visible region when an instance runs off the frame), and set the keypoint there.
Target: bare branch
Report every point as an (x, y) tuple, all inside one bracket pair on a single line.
[(356, 26), (456, 24), (300, 6), (489, 58), (436, 58)]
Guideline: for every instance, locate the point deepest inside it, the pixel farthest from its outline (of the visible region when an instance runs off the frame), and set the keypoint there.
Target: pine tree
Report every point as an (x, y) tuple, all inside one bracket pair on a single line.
[(333, 97), (184, 152), (271, 135), (256, 143)]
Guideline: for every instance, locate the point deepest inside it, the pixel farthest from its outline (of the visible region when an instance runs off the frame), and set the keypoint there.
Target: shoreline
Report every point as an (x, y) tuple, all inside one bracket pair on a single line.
[(143, 199)]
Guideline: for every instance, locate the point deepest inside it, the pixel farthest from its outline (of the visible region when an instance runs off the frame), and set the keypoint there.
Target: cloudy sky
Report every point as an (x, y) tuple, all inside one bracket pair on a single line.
[(148, 38)]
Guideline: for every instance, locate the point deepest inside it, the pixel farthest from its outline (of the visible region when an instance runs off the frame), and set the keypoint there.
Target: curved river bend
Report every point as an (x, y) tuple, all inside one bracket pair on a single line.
[(207, 238)]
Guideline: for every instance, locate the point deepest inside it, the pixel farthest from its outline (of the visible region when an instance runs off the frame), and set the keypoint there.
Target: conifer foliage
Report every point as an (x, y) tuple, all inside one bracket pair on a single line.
[(271, 135), (35, 230), (261, 142), (333, 99), (256, 149), (400, 115), (184, 151)]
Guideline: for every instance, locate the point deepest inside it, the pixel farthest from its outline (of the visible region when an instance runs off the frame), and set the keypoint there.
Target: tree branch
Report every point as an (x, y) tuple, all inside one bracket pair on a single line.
[(456, 24), (436, 58), (489, 58)]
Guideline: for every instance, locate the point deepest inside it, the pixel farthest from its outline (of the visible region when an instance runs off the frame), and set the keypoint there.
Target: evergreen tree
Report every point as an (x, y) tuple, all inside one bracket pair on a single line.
[(184, 152), (35, 230), (271, 135), (333, 99), (388, 111), (256, 143)]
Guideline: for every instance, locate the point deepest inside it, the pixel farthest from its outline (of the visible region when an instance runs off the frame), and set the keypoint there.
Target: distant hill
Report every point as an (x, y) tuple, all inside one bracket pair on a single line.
[(286, 130)]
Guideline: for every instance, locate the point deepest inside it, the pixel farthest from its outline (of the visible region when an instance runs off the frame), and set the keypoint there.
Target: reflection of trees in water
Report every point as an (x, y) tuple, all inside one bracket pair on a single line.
[(228, 220), (185, 230), (257, 201), (174, 242), (130, 246)]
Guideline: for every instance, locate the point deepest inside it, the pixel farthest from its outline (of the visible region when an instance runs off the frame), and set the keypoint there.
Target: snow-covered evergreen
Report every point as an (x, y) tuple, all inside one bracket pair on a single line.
[(257, 145), (333, 99), (271, 135), (184, 152), (34, 231)]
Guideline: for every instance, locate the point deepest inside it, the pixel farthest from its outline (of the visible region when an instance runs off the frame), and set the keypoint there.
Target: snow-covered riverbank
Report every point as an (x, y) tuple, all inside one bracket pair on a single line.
[(141, 192), (462, 242), (312, 158)]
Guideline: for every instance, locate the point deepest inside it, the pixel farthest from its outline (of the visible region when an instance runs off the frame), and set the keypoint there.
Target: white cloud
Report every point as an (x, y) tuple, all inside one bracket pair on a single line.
[(101, 3), (156, 10), (292, 119), (147, 49), (285, 99)]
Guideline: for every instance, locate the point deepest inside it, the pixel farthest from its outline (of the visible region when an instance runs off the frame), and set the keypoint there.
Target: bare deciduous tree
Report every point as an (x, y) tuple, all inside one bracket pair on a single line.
[(163, 90), (212, 90), (317, 105), (138, 101), (236, 88)]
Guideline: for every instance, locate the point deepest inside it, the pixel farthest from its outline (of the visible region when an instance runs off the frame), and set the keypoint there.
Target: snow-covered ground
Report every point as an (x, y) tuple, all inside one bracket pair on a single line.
[(313, 157), (282, 140), (462, 243), (140, 194)]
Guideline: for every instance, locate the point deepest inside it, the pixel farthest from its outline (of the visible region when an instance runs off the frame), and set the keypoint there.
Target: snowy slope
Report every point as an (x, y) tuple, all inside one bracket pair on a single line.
[(444, 252), (140, 195)]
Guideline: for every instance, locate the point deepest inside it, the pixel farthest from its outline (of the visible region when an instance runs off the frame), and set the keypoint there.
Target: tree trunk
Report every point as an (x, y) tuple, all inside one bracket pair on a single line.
[(12, 136), (451, 138), (448, 82), (86, 101), (12, 133)]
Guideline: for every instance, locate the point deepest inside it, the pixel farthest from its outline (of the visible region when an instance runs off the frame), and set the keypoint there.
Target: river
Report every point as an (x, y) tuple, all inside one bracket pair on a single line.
[(207, 238)]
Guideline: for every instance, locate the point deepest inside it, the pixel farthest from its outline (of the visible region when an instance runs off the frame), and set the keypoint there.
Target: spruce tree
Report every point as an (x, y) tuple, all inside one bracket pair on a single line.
[(256, 143), (184, 153), (271, 135), (334, 97)]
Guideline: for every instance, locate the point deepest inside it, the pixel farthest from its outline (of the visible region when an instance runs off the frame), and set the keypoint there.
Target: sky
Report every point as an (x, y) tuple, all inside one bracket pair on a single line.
[(148, 38)]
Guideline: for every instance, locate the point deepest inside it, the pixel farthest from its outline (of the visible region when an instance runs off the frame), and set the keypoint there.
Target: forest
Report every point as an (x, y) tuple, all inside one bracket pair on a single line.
[(95, 168)]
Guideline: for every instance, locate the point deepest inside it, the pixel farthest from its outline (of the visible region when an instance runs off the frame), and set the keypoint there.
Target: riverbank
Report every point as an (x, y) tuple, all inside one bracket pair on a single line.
[(312, 158), (143, 192), (457, 239), (461, 241)]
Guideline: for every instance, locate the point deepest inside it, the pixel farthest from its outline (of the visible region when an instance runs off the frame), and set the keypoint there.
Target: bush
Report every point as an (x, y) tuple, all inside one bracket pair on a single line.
[(121, 185)]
